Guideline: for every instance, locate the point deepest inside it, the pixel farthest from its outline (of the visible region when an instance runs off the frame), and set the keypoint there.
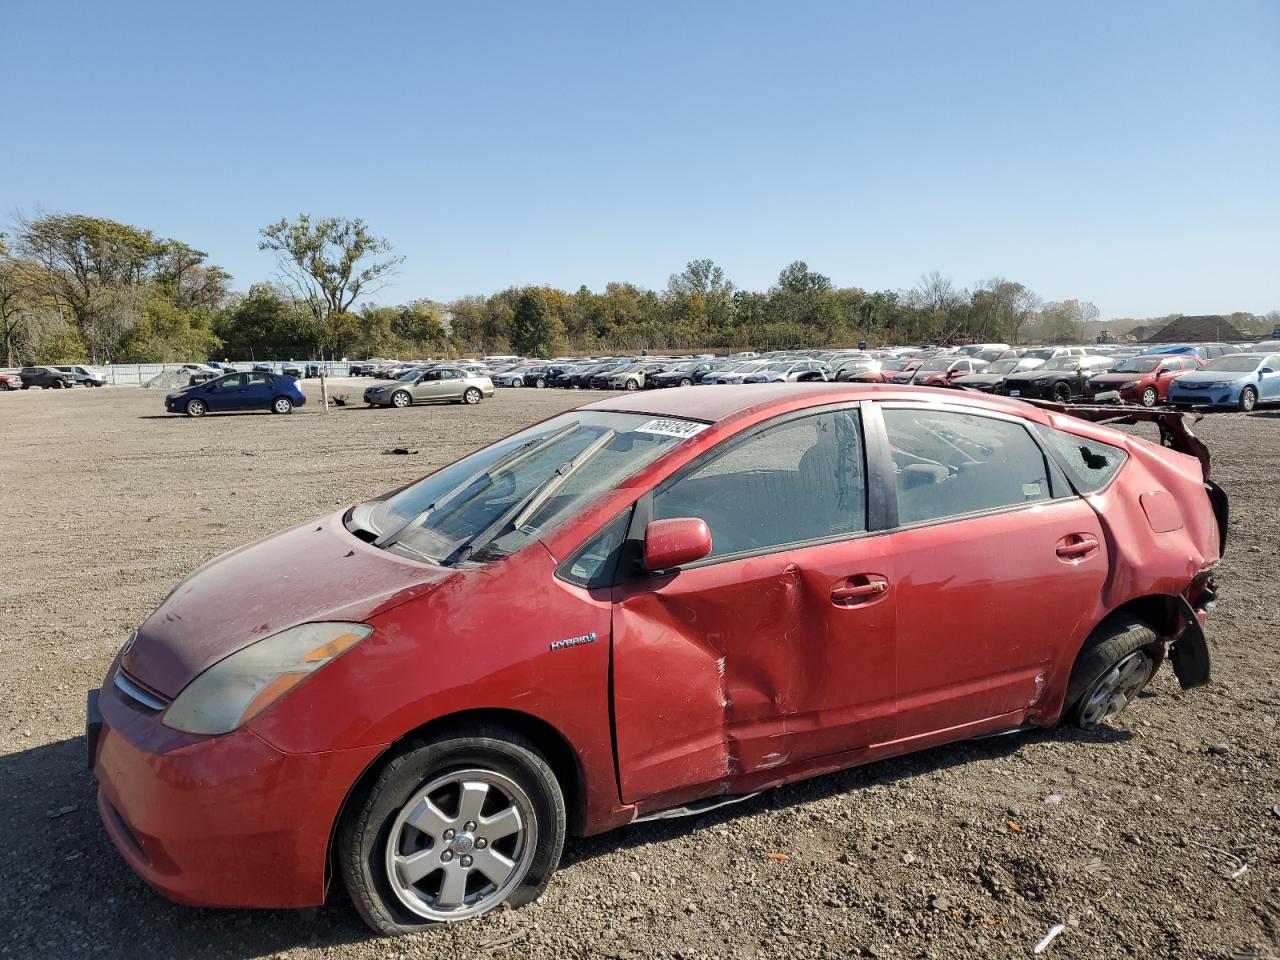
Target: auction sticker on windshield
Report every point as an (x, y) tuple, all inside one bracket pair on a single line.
[(672, 428)]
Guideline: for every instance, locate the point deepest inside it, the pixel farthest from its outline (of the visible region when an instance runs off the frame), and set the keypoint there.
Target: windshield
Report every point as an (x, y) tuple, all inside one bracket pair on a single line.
[(1138, 365), (413, 374), (1236, 364), (1061, 363), (498, 499), (1038, 354), (936, 365), (780, 367), (1002, 366)]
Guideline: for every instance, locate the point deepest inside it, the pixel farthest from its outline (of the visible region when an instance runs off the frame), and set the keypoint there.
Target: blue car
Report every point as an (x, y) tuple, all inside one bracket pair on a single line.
[(1241, 380), (239, 391)]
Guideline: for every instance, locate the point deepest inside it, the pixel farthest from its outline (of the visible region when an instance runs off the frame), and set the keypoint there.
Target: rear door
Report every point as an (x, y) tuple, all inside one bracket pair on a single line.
[(998, 563), (777, 648)]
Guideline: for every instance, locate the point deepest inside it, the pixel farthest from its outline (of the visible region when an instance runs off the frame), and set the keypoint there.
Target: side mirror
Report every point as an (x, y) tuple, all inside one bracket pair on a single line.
[(1267, 370), (671, 543)]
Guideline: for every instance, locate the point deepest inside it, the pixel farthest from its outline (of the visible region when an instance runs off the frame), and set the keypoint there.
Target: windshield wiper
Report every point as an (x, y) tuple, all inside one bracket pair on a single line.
[(519, 512), (521, 452)]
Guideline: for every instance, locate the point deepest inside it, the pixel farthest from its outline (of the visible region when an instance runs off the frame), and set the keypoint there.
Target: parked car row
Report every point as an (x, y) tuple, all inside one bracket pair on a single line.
[(51, 377)]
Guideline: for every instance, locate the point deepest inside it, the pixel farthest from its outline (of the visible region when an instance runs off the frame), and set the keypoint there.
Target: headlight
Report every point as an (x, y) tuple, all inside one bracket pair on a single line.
[(1129, 384), (235, 690)]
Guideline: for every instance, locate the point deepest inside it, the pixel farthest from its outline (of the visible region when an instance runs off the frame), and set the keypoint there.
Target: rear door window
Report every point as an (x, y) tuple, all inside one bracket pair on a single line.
[(948, 463)]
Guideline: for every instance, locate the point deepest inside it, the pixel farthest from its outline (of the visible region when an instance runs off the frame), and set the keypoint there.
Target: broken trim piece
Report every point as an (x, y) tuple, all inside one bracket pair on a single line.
[(700, 806)]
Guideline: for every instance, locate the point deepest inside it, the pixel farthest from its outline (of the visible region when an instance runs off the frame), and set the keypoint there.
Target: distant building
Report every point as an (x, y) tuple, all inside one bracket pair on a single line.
[(1210, 328)]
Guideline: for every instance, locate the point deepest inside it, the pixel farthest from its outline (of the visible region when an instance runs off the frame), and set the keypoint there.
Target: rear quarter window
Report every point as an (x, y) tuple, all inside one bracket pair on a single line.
[(1089, 464)]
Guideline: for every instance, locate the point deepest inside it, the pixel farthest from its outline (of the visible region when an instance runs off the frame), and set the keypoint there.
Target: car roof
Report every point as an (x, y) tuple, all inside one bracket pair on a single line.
[(712, 404)]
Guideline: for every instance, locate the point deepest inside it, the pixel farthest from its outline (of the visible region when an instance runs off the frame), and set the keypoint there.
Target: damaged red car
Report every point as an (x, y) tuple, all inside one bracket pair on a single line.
[(651, 605)]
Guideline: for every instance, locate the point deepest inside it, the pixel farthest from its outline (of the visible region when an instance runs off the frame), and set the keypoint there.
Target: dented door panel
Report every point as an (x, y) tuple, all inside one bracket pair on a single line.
[(732, 668)]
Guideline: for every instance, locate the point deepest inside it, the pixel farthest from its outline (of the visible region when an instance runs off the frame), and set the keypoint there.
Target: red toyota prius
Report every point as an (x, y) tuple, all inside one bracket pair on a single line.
[(650, 605)]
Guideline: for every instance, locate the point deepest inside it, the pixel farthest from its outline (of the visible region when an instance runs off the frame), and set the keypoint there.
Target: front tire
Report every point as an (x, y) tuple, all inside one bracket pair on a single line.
[(471, 396), (540, 383), (633, 385), (1061, 393), (1150, 397), (1114, 666), (196, 408), (1248, 399), (401, 399), (282, 405), (451, 828)]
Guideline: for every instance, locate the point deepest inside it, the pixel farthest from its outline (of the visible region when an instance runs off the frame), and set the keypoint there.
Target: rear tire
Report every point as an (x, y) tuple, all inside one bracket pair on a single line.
[(471, 396), (1113, 667), (378, 833), (282, 405), (1248, 399)]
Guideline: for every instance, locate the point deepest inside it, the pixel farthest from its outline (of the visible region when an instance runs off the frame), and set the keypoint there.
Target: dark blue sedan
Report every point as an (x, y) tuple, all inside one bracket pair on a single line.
[(239, 391)]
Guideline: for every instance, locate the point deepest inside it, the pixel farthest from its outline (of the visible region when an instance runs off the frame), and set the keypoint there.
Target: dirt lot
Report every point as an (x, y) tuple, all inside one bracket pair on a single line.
[(1128, 836)]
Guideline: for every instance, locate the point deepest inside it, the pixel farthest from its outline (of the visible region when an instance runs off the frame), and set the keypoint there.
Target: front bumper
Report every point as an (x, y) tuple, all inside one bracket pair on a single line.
[(227, 821)]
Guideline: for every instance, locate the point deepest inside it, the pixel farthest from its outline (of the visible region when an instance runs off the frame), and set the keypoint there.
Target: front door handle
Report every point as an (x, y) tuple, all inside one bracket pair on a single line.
[(859, 589), (1077, 546)]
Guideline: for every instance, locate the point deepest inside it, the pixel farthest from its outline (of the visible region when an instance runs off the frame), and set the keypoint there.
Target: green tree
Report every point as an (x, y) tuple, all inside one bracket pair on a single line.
[(533, 329), (329, 263), (265, 323)]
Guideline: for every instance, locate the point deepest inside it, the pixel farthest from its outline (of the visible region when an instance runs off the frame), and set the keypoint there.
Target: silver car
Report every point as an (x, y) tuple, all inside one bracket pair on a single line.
[(438, 384)]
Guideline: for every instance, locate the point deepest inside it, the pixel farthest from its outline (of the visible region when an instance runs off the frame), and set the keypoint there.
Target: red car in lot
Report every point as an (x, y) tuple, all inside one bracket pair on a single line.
[(653, 604), (1144, 379)]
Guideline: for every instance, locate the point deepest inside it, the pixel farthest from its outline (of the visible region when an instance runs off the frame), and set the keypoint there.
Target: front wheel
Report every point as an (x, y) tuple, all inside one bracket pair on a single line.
[(282, 405), (686, 382), (471, 396), (450, 829), (196, 408), (1112, 669), (1061, 392), (518, 382), (1248, 399), (540, 383), (1150, 397), (401, 399), (633, 385)]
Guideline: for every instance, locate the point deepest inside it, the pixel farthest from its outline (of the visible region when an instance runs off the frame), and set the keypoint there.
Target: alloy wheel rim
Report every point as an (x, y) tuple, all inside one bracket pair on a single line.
[(1149, 397), (461, 845), (400, 400), (282, 405), (472, 396), (1117, 688), (1248, 399)]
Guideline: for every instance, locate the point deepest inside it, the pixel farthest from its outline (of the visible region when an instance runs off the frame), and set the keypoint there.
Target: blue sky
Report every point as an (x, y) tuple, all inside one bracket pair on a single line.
[(1125, 153)]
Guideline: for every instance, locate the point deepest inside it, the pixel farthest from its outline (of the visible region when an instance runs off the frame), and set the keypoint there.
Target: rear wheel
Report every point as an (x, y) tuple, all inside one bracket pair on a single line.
[(401, 399), (1248, 399), (1113, 668), (452, 828), (282, 405), (471, 395), (1150, 397), (196, 408)]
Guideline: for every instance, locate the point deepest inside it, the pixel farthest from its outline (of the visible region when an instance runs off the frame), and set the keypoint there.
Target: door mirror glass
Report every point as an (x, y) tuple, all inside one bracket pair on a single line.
[(1267, 370), (677, 541)]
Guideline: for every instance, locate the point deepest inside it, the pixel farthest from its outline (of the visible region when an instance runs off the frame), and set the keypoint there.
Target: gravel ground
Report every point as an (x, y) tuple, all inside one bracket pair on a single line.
[(1129, 836)]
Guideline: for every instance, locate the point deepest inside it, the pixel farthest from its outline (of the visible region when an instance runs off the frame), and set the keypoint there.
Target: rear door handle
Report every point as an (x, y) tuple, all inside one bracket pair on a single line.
[(1077, 546), (859, 589)]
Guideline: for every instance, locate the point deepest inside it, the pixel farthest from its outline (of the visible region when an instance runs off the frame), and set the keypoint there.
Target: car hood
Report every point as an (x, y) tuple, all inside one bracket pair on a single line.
[(1038, 375), (982, 377), (1214, 376), (312, 572), (1118, 377)]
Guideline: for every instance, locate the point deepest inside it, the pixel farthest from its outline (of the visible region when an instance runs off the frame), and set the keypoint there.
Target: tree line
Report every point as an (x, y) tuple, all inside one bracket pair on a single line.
[(76, 288)]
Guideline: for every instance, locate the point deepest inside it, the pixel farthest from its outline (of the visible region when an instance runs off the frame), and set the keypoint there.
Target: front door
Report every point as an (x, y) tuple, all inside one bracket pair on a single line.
[(777, 648), (998, 569), (227, 393)]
